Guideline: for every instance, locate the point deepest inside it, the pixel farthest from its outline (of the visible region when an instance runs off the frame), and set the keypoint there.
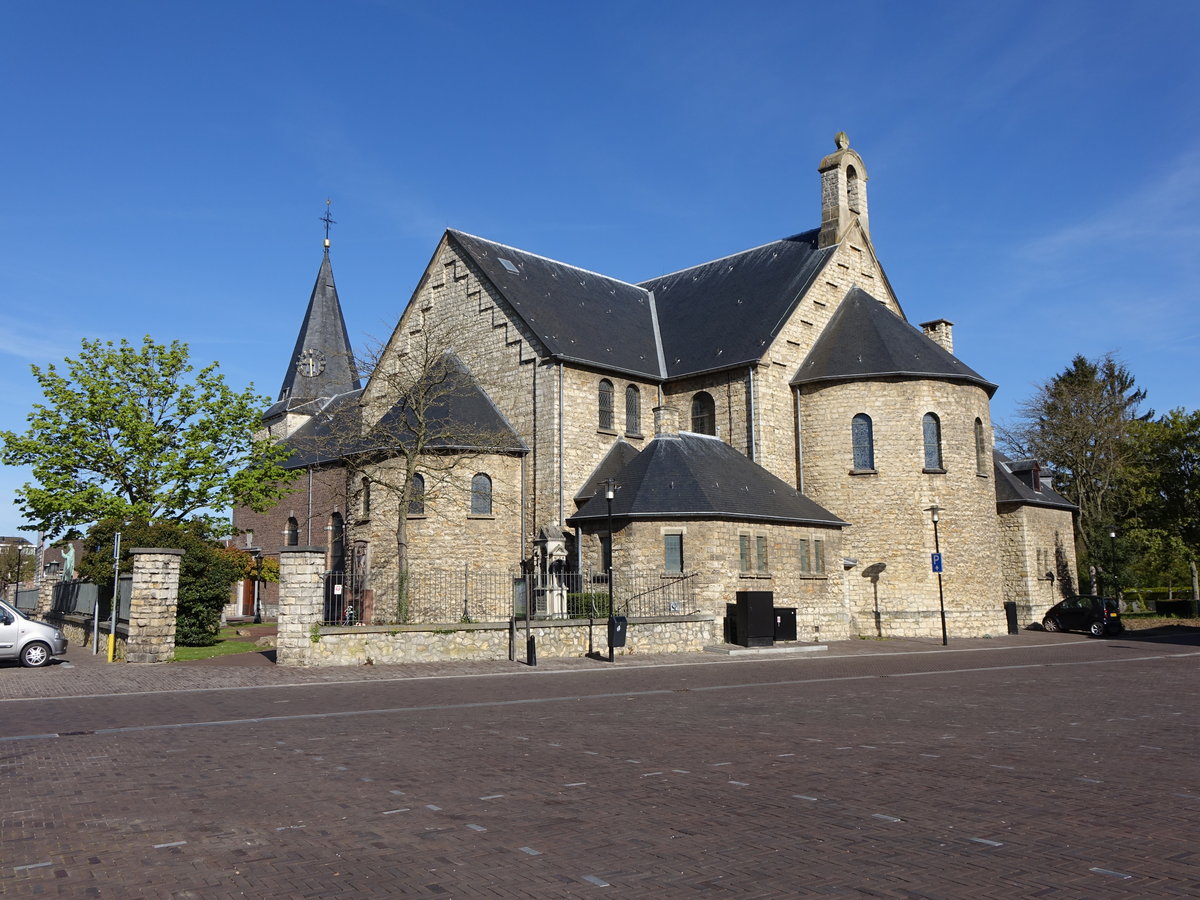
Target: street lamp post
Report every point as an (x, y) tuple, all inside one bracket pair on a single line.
[(1112, 561), (608, 495), (258, 564), (937, 567)]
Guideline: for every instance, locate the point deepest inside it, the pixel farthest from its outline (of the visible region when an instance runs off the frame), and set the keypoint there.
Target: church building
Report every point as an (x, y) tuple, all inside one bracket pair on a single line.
[(766, 421)]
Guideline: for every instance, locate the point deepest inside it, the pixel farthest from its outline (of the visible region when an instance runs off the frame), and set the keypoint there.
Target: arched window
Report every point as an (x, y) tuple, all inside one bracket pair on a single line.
[(863, 439), (606, 405), (481, 495), (931, 429), (416, 497), (981, 454), (633, 410), (337, 543), (291, 535), (704, 413), (364, 497), (853, 191)]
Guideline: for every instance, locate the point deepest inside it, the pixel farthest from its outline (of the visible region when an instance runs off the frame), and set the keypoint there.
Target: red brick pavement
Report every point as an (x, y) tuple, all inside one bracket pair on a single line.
[(1039, 767)]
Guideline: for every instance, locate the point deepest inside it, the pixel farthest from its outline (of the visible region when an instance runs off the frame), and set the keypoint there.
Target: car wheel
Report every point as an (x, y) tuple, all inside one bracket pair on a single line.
[(35, 654), (1097, 629), (1050, 624)]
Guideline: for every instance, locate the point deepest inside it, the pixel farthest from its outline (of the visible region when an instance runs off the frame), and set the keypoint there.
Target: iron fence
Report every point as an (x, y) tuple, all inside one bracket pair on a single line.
[(461, 596)]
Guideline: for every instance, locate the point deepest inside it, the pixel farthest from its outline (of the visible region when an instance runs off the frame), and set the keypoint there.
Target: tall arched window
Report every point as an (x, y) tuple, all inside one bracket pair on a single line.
[(981, 454), (704, 413), (606, 404), (416, 498), (481, 495), (633, 410), (863, 438), (364, 498), (337, 543), (931, 429), (291, 535)]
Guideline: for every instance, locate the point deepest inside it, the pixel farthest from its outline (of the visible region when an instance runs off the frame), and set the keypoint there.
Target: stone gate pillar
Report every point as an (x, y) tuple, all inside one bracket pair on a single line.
[(152, 605), (301, 602), (45, 598)]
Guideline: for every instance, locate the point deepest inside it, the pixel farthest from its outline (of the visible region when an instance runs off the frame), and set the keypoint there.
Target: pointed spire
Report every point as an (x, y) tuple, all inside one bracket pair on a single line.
[(322, 362)]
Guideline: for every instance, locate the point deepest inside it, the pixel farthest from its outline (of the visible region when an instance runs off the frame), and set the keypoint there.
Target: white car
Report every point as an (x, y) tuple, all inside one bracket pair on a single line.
[(33, 643)]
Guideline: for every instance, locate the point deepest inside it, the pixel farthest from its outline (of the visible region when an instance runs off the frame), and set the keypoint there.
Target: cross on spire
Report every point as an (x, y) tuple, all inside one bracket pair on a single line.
[(328, 220)]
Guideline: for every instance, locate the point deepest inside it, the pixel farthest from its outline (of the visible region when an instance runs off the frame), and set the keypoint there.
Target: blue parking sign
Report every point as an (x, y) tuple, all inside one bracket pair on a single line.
[(937, 561)]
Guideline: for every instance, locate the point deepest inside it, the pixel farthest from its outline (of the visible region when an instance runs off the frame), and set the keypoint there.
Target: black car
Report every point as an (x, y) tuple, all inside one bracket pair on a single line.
[(1095, 615)]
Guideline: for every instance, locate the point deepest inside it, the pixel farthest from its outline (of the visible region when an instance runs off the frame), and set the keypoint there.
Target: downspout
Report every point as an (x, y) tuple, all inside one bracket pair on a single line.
[(561, 511), (310, 543), (533, 485), (523, 456), (799, 439), (753, 430)]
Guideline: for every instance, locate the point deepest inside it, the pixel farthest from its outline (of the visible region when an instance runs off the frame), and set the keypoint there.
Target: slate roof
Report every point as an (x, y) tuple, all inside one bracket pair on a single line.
[(323, 330), (866, 340), (697, 476), (579, 316), (333, 432), (1010, 488), (618, 456), (726, 312), (458, 409)]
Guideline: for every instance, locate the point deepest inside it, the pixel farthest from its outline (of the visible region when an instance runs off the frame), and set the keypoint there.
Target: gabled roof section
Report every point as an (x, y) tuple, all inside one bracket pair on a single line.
[(456, 412), (331, 434), (726, 312), (864, 339), (697, 476), (1011, 488), (579, 316), (618, 457), (322, 350)]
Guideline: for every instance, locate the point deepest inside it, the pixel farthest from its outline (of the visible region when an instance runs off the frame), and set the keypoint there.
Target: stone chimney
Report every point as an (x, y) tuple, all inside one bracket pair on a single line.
[(666, 422), (941, 332), (843, 192)]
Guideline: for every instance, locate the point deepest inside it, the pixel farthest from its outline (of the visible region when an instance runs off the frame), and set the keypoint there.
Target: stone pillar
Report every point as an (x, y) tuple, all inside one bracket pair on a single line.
[(301, 603), (45, 600), (152, 605)]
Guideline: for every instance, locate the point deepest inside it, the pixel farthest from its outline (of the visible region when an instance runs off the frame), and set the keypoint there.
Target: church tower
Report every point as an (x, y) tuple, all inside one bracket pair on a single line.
[(843, 193), (322, 362)]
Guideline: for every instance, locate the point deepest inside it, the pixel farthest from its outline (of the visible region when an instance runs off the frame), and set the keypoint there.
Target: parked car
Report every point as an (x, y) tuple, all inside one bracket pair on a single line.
[(22, 638), (1095, 615)]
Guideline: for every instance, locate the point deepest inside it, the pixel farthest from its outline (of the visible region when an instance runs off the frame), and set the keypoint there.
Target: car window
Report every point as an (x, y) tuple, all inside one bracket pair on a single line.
[(15, 612)]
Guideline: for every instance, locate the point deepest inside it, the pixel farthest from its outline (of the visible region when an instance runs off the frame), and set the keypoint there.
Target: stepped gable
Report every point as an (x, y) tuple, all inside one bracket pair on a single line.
[(579, 316), (726, 312), (866, 340), (698, 476)]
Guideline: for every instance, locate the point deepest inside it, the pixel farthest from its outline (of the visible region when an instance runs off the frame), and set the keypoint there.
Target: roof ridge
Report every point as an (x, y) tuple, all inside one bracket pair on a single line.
[(722, 258), (550, 259)]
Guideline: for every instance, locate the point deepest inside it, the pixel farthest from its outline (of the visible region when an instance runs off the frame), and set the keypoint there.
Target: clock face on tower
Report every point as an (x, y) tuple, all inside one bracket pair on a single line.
[(310, 363)]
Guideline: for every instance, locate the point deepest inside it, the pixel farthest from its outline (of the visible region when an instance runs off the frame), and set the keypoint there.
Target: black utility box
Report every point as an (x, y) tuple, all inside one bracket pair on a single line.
[(617, 626), (756, 618), (1010, 615), (731, 632), (785, 623)]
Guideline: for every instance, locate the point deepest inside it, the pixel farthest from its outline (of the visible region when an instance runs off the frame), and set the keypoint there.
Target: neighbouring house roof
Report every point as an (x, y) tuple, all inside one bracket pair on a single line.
[(726, 312), (323, 332), (697, 476), (866, 340), (1012, 488)]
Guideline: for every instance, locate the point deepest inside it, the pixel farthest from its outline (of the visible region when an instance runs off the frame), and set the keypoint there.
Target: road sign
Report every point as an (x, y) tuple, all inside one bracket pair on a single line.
[(937, 561)]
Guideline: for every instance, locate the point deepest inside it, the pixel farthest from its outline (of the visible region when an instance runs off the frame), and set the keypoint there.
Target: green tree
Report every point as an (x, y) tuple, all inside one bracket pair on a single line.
[(17, 564), (128, 433), (207, 570), (1168, 474), (1082, 422)]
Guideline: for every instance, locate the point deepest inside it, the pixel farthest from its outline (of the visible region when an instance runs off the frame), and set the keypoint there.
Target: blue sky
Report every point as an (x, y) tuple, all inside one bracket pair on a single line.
[(1034, 166)]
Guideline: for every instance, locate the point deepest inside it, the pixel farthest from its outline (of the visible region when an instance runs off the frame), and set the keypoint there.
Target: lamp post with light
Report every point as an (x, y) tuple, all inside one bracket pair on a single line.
[(1112, 561), (937, 567), (608, 495)]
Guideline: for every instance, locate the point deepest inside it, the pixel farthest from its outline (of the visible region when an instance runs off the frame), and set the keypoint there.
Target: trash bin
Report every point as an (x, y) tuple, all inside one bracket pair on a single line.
[(785, 623), (1010, 613), (617, 626), (756, 618)]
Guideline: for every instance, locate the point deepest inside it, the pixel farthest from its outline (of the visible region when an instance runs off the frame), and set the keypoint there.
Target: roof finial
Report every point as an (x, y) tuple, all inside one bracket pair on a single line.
[(328, 220), (841, 140)]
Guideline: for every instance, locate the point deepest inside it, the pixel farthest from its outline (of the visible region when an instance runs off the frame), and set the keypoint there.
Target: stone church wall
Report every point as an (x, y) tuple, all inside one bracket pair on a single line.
[(892, 533), (1037, 557)]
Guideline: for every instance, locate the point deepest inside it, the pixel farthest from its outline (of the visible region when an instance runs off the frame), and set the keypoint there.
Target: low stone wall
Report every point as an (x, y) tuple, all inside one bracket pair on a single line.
[(397, 644), (78, 630)]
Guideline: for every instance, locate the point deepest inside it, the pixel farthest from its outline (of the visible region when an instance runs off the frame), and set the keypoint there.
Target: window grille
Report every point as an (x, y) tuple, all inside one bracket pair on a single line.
[(633, 410), (932, 430), (481, 495), (673, 552), (606, 404), (863, 439)]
